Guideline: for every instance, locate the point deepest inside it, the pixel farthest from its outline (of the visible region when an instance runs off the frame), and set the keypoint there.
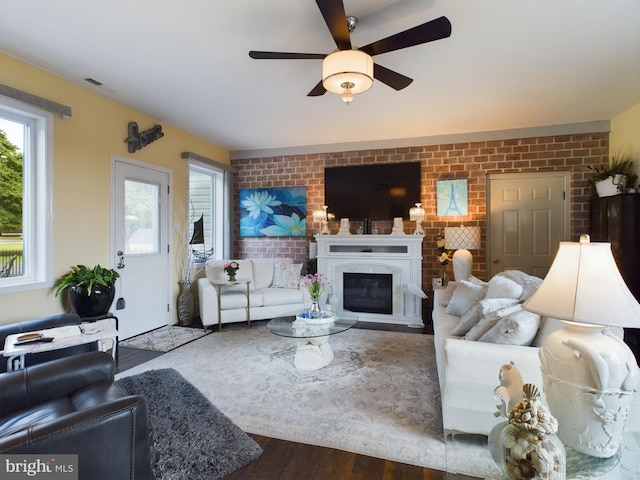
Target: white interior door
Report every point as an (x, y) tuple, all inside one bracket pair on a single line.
[(528, 217), (140, 245)]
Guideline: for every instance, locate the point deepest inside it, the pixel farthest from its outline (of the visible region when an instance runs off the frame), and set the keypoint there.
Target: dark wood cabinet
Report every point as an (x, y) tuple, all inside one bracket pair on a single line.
[(616, 220)]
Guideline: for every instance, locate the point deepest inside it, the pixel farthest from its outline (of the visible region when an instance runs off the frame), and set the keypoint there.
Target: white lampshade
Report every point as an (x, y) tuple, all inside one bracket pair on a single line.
[(416, 213), (319, 215), (347, 67), (462, 237), (584, 285)]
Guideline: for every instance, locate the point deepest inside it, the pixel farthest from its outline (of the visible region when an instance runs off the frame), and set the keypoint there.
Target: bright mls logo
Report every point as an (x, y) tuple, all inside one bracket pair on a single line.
[(51, 467)]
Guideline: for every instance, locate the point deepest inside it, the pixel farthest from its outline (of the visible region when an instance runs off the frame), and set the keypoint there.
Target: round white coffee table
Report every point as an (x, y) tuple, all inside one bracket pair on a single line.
[(314, 350)]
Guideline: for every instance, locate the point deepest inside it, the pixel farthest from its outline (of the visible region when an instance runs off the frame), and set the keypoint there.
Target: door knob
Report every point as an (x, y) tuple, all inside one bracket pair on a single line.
[(495, 260), (120, 264)]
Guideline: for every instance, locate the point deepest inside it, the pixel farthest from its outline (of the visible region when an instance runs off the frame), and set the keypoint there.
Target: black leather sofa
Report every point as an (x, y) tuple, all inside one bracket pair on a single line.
[(61, 320), (73, 406)]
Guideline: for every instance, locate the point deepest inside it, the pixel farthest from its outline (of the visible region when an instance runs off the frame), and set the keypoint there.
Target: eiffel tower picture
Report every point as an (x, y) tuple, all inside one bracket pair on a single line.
[(452, 198)]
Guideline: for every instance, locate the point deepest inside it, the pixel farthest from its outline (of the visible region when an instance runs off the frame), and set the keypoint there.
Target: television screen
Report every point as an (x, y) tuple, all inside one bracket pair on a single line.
[(378, 192)]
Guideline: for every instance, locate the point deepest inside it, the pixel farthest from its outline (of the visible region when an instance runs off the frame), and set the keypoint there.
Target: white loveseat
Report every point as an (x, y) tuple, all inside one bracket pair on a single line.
[(468, 369), (274, 290)]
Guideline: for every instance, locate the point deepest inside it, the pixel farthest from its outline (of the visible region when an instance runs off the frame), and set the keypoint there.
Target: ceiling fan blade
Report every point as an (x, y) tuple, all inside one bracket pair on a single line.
[(395, 80), (317, 91), (285, 56), (427, 32), (336, 20)]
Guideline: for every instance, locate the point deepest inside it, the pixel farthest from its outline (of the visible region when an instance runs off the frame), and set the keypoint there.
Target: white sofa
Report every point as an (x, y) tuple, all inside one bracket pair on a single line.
[(267, 300), (468, 370)]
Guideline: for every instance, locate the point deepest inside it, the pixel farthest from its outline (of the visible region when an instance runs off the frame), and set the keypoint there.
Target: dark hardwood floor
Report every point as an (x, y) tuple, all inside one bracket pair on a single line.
[(284, 460)]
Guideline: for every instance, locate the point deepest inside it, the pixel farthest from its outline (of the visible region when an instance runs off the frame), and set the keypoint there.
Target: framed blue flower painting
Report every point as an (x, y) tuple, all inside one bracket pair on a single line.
[(273, 212)]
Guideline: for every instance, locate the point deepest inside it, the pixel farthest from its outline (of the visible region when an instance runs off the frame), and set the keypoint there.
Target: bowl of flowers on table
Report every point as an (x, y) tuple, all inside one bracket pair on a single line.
[(316, 284)]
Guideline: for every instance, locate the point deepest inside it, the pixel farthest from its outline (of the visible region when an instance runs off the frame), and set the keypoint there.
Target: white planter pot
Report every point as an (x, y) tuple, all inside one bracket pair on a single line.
[(609, 186)]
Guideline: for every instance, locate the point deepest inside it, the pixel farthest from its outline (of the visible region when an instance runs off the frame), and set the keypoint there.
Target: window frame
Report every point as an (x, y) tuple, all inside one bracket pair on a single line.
[(219, 206), (37, 225)]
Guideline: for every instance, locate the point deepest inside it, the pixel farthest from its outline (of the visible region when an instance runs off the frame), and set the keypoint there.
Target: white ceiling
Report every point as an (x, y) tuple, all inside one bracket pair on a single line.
[(508, 64)]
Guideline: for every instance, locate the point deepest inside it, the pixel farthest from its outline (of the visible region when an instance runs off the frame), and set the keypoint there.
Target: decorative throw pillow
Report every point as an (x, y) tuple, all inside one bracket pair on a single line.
[(477, 281), (488, 321), (286, 275), (446, 293), (468, 320), (529, 283), (465, 295), (518, 328), (502, 287), (490, 305)]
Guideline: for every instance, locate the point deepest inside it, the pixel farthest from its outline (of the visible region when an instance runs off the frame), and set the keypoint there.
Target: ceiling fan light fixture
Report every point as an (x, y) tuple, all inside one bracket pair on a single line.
[(347, 95), (350, 67)]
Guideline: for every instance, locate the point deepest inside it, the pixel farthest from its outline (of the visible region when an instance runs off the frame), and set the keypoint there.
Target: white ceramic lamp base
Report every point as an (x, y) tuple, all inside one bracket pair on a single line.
[(313, 353), (589, 378), (462, 264)]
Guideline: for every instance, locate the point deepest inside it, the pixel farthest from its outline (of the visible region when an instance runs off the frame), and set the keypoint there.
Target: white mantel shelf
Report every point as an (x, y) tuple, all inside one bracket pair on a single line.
[(399, 255)]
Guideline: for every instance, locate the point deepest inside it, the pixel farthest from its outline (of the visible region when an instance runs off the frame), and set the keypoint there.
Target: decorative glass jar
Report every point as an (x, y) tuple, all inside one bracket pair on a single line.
[(532, 455)]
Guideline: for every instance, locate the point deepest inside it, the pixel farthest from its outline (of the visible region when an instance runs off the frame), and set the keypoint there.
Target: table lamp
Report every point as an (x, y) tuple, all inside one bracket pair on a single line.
[(461, 239), (589, 374), (320, 216), (417, 214)]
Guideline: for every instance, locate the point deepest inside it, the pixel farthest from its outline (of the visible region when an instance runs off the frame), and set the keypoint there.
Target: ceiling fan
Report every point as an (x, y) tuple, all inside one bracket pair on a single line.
[(349, 70)]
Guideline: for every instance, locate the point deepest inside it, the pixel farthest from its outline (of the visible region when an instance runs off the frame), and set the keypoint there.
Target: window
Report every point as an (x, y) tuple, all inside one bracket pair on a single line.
[(207, 187), (26, 139)]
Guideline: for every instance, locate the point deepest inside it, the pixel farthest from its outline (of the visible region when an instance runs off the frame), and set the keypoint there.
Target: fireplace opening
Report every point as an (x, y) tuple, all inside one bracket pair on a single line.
[(368, 292)]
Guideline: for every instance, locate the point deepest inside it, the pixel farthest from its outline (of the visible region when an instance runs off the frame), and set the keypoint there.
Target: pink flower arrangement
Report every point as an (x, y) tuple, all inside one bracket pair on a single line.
[(231, 268), (316, 284)]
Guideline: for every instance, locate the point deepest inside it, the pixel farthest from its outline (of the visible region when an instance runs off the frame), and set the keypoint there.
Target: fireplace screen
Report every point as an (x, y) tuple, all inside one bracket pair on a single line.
[(368, 292)]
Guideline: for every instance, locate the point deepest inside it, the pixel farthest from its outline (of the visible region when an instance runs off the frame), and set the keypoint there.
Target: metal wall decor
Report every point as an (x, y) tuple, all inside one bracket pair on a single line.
[(136, 140)]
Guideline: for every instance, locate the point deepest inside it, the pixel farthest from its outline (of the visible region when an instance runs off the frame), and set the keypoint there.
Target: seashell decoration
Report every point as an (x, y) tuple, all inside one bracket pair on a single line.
[(531, 450), (531, 414)]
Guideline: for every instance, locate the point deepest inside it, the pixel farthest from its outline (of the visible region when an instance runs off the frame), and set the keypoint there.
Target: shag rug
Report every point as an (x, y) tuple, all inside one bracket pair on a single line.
[(379, 397), (164, 339), (190, 438)]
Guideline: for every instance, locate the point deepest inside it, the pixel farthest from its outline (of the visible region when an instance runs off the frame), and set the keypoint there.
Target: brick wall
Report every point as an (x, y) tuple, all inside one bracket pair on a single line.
[(470, 160)]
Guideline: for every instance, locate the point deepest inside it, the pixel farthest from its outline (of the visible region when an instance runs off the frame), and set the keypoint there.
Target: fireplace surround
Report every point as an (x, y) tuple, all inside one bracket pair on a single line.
[(388, 269)]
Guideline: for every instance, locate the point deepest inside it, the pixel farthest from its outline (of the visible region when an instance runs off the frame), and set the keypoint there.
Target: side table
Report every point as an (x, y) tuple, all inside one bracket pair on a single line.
[(219, 284), (64, 337)]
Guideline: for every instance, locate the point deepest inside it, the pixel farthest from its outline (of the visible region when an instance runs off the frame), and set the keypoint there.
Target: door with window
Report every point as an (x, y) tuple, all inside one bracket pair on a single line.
[(140, 245), (528, 216)]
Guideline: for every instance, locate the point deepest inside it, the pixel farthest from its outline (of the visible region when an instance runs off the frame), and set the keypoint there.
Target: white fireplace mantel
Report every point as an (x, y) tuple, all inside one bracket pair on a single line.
[(398, 255)]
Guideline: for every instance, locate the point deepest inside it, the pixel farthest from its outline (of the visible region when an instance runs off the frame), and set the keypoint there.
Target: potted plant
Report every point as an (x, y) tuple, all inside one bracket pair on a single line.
[(614, 177), (90, 291)]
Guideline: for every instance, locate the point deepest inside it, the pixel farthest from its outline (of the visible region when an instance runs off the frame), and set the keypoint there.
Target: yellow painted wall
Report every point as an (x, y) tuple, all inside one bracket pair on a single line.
[(83, 145), (625, 134)]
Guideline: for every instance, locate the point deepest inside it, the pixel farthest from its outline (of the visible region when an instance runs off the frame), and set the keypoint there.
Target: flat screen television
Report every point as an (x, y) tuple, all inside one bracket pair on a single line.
[(378, 192)]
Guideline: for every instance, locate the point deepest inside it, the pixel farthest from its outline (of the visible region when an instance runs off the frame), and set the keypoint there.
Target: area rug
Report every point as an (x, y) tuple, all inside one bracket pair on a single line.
[(190, 438), (164, 339), (379, 396)]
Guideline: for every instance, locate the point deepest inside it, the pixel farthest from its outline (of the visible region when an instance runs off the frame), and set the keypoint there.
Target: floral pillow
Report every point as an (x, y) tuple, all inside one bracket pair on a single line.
[(286, 275)]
